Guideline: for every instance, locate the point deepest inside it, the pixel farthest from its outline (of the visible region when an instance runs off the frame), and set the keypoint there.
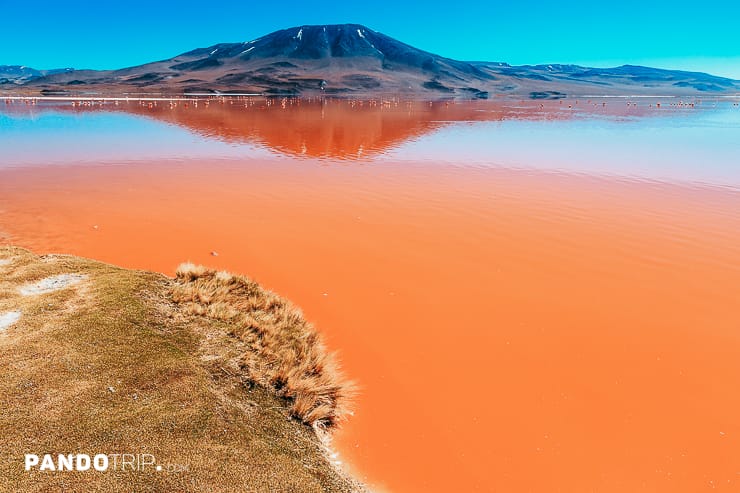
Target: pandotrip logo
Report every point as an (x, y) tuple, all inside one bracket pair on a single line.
[(98, 463)]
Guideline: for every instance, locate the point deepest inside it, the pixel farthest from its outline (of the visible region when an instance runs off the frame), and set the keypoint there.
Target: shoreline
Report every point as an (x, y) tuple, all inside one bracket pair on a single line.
[(164, 96), (156, 359)]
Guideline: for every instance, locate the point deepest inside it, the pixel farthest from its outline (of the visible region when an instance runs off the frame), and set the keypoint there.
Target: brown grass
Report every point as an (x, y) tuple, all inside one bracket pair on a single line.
[(179, 390), (283, 352)]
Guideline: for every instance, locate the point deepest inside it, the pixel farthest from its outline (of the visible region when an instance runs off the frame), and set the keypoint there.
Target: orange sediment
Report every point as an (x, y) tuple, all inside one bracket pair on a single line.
[(512, 331)]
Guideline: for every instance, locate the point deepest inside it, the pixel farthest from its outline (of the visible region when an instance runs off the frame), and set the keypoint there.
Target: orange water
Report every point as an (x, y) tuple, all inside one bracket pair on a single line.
[(511, 330)]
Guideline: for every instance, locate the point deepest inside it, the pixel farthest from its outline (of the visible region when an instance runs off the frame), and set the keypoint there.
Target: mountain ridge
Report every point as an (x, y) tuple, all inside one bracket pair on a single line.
[(21, 73), (351, 59)]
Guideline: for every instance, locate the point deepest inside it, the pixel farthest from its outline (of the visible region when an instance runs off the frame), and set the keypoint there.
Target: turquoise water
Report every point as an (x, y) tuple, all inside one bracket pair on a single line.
[(670, 144), (702, 146)]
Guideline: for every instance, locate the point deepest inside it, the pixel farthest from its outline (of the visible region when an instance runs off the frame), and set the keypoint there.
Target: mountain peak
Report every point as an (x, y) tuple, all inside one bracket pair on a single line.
[(304, 43), (312, 42)]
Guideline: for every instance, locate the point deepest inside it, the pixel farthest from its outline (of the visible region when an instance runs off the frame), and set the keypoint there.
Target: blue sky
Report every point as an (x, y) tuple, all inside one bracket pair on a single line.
[(671, 34)]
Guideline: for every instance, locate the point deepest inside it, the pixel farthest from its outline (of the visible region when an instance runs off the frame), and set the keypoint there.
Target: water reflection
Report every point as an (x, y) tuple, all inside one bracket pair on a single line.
[(323, 128), (667, 141)]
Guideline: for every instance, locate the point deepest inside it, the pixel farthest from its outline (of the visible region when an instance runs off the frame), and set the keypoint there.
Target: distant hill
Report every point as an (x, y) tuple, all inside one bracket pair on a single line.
[(633, 77), (351, 59), (18, 74)]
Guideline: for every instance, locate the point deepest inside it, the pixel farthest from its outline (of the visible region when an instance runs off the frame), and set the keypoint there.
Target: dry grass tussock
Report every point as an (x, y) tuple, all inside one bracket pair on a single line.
[(111, 364), (285, 353)]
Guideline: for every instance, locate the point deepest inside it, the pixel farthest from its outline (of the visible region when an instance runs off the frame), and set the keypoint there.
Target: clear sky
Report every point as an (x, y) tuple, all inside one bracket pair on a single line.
[(108, 34)]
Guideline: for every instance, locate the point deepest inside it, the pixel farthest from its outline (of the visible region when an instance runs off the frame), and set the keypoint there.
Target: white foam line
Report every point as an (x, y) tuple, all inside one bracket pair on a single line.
[(644, 96), (229, 95), (187, 97), (87, 98)]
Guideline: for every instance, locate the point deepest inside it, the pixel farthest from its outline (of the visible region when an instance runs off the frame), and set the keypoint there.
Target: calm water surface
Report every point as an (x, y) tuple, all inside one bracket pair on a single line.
[(532, 296)]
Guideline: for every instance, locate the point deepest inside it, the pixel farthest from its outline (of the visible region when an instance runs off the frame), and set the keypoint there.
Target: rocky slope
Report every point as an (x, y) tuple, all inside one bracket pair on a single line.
[(351, 59)]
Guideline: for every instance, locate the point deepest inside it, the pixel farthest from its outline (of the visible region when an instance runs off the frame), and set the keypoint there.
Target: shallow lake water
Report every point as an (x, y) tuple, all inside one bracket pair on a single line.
[(532, 296)]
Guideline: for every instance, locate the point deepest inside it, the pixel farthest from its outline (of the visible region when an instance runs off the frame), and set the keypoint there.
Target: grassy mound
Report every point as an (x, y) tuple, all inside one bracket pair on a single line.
[(280, 350), (224, 383)]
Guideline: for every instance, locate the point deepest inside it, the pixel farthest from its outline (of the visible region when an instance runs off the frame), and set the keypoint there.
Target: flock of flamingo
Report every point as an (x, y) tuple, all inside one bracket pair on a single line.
[(284, 102)]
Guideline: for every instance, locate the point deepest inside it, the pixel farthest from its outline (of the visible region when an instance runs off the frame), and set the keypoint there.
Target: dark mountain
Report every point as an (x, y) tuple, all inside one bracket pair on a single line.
[(338, 45), (352, 59)]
